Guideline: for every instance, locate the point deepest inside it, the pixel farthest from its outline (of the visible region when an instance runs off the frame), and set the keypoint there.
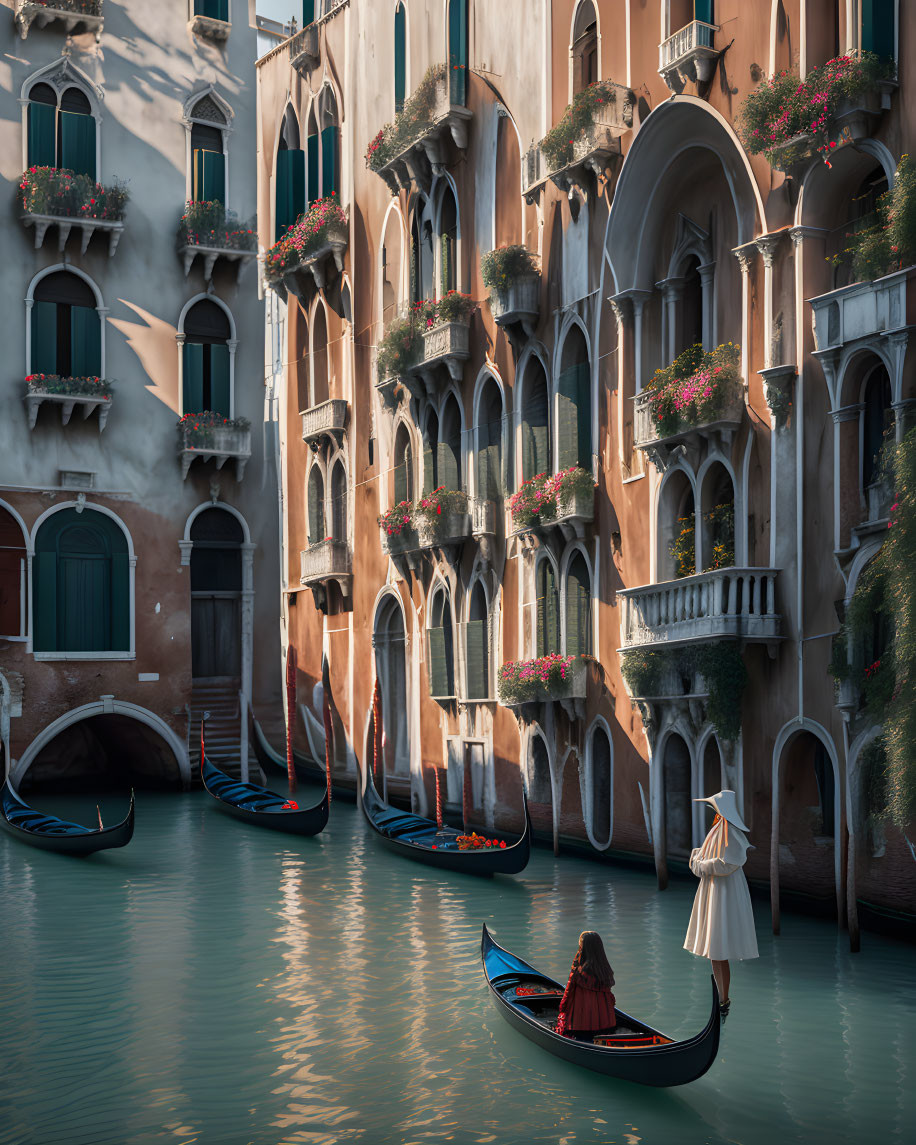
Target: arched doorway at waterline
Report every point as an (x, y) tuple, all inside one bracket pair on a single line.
[(677, 799), (391, 669), (807, 822), (711, 782), (216, 594), (540, 790)]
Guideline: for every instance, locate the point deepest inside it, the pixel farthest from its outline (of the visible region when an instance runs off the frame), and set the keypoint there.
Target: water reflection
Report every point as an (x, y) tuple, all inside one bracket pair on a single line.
[(212, 983)]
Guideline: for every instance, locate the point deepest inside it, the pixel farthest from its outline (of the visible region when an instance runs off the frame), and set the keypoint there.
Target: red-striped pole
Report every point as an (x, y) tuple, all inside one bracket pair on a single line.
[(438, 799), (376, 728), (466, 791), (291, 666), (328, 733)]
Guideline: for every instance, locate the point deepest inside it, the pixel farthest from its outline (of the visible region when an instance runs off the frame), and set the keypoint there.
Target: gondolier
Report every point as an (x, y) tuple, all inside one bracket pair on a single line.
[(722, 923)]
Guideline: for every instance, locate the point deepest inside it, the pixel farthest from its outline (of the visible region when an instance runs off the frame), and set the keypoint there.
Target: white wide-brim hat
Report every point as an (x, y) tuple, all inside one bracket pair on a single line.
[(726, 805)]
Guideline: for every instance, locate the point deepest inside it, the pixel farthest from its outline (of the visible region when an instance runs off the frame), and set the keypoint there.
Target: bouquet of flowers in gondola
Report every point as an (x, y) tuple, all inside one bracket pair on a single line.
[(475, 842)]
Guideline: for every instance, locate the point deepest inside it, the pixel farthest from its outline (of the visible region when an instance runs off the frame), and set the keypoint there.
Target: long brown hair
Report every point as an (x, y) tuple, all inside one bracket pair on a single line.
[(591, 959)]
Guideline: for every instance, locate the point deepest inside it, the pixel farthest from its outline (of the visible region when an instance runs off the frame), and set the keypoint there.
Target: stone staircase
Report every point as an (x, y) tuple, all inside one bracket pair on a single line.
[(216, 701)]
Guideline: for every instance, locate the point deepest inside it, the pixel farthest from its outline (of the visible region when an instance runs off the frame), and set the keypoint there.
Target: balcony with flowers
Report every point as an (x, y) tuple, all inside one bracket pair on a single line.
[(309, 252), (75, 16), (513, 277), (209, 232), (399, 350), (688, 54), (211, 20), (328, 420), (414, 146), (68, 393), (586, 140), (699, 395), (565, 501), (56, 197), (328, 561), (792, 120), (444, 324), (545, 679), (212, 437), (439, 520)]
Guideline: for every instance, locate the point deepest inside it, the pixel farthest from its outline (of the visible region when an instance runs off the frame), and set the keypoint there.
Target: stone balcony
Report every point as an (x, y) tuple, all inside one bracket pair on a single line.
[(595, 149), (518, 306), (324, 563), (316, 269), (222, 444), (721, 427), (66, 224), (210, 28), (448, 345), (574, 510), (853, 120), (327, 420), (737, 604), (305, 49), (425, 154), (862, 310), (210, 255), (421, 538), (74, 16), (35, 398), (525, 700), (688, 55)]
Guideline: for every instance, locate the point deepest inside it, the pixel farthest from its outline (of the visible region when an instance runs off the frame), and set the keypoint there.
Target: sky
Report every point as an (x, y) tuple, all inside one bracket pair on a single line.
[(280, 9)]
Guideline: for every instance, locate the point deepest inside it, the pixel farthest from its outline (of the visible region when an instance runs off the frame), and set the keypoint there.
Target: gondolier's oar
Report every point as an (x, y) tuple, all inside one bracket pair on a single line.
[(290, 714), (328, 733)]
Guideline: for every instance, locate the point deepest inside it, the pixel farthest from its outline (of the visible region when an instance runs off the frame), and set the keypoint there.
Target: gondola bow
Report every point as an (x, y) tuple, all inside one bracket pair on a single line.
[(53, 834)]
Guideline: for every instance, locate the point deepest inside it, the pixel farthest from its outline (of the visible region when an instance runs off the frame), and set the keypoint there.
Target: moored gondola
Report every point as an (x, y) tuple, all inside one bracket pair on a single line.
[(258, 805), (307, 769), (529, 1001), (421, 839), (51, 833)]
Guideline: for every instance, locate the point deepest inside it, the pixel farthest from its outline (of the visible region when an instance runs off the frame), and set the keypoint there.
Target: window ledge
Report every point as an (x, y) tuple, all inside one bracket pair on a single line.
[(84, 655), (15, 639), (188, 252), (225, 444), (65, 224), (67, 402), (28, 13), (209, 28)]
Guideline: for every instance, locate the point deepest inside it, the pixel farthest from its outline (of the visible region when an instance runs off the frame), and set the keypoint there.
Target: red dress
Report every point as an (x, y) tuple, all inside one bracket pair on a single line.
[(586, 1006)]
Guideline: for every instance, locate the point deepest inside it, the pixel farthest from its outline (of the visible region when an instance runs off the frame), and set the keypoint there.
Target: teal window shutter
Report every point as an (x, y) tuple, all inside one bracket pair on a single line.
[(84, 600), (578, 608), (400, 57), (313, 145), (458, 50), (209, 176), (584, 417), (438, 665), (548, 619), (283, 205), (477, 660), (193, 387), (42, 150), (316, 507), (120, 603), (535, 432), (85, 342), (44, 338), (308, 12), (297, 201), (878, 27), (219, 379), (449, 465), (215, 9), (77, 143), (703, 10), (44, 602), (329, 161)]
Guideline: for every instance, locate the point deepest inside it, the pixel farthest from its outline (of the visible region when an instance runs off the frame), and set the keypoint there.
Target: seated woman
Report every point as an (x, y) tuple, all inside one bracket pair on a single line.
[(587, 1005)]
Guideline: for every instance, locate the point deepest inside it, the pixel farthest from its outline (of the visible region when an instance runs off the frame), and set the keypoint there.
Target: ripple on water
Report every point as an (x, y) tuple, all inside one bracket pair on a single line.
[(212, 983)]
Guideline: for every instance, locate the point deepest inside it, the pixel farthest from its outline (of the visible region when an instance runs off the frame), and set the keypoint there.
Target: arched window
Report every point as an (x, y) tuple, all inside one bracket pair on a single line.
[(216, 594), (339, 509), (678, 811), (601, 783), (574, 405), (535, 422), (330, 145), (458, 50), (585, 47), (400, 56), (448, 242), (861, 213), (489, 443), (320, 384), (421, 252), (508, 177), (391, 668), (441, 648), (548, 609), (431, 453), (450, 446), (691, 331), (718, 526), (313, 158), (61, 132), (66, 330), (303, 357), (676, 528), (477, 646), (208, 160), (290, 185), (81, 584), (403, 466), (392, 267), (539, 787), (877, 423), (316, 506), (578, 608), (206, 384), (12, 576)]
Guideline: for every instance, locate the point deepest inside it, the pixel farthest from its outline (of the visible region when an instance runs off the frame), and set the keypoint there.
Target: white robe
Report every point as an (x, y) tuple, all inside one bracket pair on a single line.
[(722, 922)]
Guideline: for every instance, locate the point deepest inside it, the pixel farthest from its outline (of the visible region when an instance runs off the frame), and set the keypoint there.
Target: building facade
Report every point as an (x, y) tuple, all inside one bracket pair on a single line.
[(139, 567), (675, 554)]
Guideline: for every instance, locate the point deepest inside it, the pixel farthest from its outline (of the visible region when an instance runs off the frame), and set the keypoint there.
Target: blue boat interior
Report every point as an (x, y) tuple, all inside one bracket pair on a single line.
[(21, 815), (248, 796)]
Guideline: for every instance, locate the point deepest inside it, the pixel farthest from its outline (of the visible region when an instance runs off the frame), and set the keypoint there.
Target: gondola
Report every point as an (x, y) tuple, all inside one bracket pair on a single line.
[(421, 839), (53, 834), (253, 804), (307, 769), (529, 1001)]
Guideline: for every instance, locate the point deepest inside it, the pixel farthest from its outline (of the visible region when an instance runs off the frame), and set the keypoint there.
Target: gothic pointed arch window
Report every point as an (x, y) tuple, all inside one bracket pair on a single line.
[(448, 242), (208, 151), (207, 373), (431, 453), (66, 329), (585, 47), (320, 364), (339, 502), (489, 442), (316, 505), (877, 423), (441, 647), (578, 609), (61, 129), (313, 157), (391, 669), (421, 251), (403, 466), (600, 778), (290, 178), (477, 645), (574, 404), (450, 445), (535, 421), (547, 608)]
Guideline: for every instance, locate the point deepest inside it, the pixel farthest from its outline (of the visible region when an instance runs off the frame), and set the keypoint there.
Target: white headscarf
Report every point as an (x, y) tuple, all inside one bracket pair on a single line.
[(725, 841)]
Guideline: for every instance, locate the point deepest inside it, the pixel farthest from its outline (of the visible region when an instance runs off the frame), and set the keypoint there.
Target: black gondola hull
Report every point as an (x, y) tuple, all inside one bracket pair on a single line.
[(84, 842), (307, 821), (306, 769), (670, 1064)]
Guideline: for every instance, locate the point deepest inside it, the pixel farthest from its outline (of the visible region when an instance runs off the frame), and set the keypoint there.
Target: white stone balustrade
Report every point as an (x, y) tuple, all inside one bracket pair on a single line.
[(861, 310), (223, 444), (325, 561), (325, 420), (689, 51)]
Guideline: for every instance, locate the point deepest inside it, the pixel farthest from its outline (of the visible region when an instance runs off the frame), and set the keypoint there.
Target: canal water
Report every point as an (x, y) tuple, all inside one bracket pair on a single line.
[(218, 984)]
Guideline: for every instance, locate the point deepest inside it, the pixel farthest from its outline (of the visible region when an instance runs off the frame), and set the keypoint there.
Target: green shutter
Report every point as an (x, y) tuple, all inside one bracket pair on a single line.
[(316, 509), (209, 176), (438, 664), (329, 161), (44, 602), (429, 467), (215, 9), (535, 433), (458, 50), (449, 475), (219, 379), (878, 27), (84, 602), (477, 660), (120, 603), (584, 416), (400, 483), (578, 609), (308, 12), (283, 206), (85, 342), (313, 145), (192, 400), (297, 203), (77, 143), (548, 627), (400, 57), (44, 338), (703, 10), (42, 135), (567, 418)]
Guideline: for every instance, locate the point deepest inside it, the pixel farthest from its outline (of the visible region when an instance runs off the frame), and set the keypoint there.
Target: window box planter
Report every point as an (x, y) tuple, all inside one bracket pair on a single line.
[(854, 120), (76, 16), (86, 227), (688, 55), (566, 498), (543, 680), (56, 197), (326, 420), (304, 256), (208, 231), (450, 530), (446, 344), (518, 304), (87, 393), (396, 544), (219, 442), (413, 147), (304, 49), (725, 422)]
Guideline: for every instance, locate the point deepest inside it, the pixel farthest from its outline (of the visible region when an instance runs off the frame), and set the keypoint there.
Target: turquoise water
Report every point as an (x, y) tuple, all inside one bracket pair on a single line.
[(219, 984)]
